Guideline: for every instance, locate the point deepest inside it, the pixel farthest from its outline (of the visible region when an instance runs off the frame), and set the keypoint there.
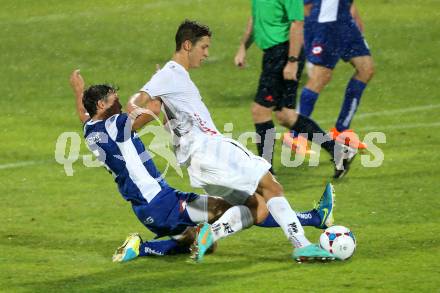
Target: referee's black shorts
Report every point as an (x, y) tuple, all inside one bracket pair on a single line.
[(273, 90)]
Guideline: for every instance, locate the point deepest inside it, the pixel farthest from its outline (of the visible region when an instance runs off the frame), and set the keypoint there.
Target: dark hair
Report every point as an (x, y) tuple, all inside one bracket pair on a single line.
[(95, 93), (192, 31)]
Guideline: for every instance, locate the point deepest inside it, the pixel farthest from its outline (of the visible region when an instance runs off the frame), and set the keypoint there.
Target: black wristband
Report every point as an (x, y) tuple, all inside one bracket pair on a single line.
[(292, 59)]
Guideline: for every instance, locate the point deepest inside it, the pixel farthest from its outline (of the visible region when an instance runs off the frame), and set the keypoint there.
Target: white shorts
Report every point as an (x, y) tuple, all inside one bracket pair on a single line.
[(225, 168)]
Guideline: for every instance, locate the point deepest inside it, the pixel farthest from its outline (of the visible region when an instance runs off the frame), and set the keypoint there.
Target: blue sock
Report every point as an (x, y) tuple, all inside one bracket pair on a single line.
[(309, 218), (306, 105), (269, 222), (307, 101), (352, 98), (162, 247)]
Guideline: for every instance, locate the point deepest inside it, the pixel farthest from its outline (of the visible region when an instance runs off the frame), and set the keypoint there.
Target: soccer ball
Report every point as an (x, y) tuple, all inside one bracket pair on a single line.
[(338, 240)]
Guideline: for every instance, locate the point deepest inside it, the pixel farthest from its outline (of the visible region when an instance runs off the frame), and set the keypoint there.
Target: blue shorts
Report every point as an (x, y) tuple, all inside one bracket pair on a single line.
[(326, 43), (166, 214)]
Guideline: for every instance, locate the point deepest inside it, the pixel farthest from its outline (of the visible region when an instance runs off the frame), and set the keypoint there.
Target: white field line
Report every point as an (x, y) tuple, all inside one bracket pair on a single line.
[(388, 112), (19, 164), (399, 126), (368, 128), (94, 13)]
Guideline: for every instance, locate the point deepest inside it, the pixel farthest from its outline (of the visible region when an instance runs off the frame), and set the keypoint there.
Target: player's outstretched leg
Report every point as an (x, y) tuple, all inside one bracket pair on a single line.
[(325, 207), (232, 221), (280, 209), (134, 247), (129, 249), (204, 240), (311, 253), (318, 217)]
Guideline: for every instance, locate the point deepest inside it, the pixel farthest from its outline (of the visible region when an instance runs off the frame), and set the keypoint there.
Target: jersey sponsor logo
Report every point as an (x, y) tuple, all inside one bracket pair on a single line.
[(148, 221), (94, 138), (317, 50), (203, 126)]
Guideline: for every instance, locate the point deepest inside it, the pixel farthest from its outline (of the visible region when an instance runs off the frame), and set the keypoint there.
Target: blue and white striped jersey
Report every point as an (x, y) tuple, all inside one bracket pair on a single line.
[(329, 11), (124, 155)]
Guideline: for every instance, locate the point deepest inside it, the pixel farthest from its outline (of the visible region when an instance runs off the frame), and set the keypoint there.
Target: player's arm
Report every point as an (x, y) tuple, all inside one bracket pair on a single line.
[(357, 18), (295, 13), (296, 41), (142, 109), (245, 43), (77, 84)]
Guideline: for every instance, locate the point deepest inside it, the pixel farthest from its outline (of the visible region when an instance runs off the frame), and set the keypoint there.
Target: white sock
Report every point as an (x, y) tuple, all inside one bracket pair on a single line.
[(233, 220), (280, 209)]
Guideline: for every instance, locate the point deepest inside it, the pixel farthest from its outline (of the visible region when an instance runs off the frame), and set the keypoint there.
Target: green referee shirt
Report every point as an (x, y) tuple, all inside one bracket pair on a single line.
[(272, 19)]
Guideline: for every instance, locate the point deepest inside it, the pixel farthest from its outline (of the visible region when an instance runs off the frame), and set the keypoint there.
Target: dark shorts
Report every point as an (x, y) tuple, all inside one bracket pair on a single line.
[(166, 214), (273, 90), (326, 43)]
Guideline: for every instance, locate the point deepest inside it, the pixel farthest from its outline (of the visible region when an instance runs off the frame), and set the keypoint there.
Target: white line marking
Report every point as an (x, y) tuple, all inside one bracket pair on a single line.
[(103, 11), (389, 112), (400, 126), (19, 164)]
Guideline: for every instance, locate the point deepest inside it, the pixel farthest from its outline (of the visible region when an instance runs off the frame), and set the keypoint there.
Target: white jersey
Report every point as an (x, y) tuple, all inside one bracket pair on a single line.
[(183, 106), (217, 164)]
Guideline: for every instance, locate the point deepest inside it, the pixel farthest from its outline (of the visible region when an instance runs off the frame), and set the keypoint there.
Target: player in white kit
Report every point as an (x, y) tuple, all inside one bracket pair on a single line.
[(219, 165)]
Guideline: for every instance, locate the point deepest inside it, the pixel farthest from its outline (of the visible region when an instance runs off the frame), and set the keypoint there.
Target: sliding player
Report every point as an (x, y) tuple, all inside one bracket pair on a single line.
[(110, 134)]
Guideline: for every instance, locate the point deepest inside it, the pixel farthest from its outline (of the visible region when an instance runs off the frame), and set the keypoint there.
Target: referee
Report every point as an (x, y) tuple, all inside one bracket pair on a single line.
[(277, 28)]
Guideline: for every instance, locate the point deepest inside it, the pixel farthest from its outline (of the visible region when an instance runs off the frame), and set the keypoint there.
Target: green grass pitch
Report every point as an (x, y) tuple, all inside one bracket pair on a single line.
[(58, 233)]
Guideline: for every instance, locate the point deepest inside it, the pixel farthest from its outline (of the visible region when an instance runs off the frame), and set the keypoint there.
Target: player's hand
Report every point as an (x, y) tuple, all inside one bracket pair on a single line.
[(77, 82), (240, 58), (290, 70), (137, 111)]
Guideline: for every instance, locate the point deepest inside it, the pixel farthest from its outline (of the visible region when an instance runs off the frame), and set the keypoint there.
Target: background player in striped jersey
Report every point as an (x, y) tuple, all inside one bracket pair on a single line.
[(331, 33), (277, 29)]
